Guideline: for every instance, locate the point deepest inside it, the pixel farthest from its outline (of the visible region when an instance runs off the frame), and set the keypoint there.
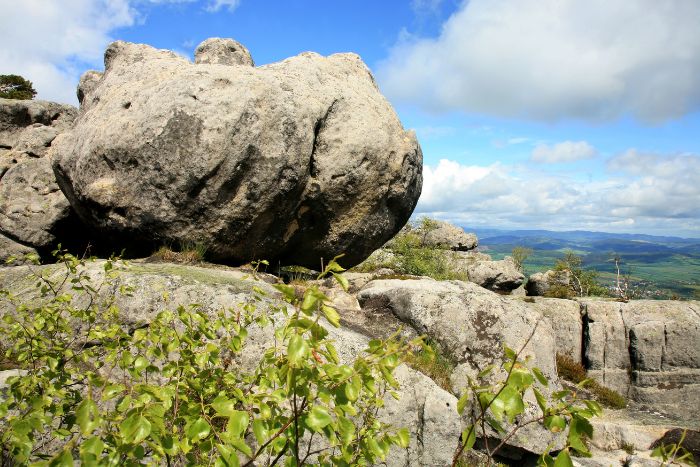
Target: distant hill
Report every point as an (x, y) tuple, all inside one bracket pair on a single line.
[(661, 266)]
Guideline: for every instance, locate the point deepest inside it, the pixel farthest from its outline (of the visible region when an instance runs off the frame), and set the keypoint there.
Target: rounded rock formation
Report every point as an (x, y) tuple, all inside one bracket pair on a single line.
[(293, 162)]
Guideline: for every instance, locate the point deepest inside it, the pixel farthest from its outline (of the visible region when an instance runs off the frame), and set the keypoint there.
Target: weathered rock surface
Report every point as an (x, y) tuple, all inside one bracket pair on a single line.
[(450, 236), (223, 52), (648, 350), (566, 320), (33, 211), (471, 325), (292, 162)]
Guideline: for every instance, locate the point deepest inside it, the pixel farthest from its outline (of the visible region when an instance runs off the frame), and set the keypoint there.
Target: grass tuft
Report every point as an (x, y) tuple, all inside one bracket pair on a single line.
[(433, 364), (187, 253)]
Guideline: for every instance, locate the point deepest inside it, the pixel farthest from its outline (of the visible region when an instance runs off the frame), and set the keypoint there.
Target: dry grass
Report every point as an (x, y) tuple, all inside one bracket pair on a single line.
[(433, 364), (186, 254), (573, 371)]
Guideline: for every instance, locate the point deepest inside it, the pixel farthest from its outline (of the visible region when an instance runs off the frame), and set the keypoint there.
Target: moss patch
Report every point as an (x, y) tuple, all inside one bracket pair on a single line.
[(194, 274)]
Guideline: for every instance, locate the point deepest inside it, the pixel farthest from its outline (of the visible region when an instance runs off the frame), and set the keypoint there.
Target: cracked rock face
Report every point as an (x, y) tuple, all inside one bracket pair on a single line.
[(291, 162), (33, 211)]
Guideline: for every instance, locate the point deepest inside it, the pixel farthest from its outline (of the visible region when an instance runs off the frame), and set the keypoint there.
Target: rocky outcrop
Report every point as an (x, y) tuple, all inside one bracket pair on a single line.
[(470, 325), (448, 236), (33, 211), (294, 162), (648, 350), (540, 283)]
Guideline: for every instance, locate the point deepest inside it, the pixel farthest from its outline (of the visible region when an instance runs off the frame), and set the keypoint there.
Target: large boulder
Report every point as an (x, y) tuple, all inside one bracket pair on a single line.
[(501, 276), (442, 234), (33, 211), (293, 162)]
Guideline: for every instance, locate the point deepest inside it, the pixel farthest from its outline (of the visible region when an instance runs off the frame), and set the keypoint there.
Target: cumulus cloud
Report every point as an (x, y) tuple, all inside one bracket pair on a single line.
[(51, 43), (642, 192), (566, 151), (555, 59)]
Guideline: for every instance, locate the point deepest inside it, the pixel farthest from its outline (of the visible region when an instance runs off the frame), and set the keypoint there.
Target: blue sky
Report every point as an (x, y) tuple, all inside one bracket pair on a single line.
[(555, 114)]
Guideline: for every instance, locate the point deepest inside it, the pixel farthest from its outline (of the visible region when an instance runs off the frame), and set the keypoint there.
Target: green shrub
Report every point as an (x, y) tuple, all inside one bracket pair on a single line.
[(16, 87), (502, 406), (174, 392), (412, 257)]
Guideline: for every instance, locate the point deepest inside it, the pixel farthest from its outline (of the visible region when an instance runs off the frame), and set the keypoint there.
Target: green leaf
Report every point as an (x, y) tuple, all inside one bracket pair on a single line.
[(64, 459), (463, 401), (287, 291), (486, 371), (241, 446), (541, 401), (318, 418), (297, 350), (198, 430), (309, 301), (375, 448), (87, 416), (223, 406), (260, 430), (342, 280), (331, 315), (229, 458), (140, 363), (352, 388), (594, 407), (510, 402), (540, 377), (135, 428), (237, 423), (111, 391), (469, 437), (555, 423), (404, 437), (579, 426), (563, 459), (93, 446), (520, 377)]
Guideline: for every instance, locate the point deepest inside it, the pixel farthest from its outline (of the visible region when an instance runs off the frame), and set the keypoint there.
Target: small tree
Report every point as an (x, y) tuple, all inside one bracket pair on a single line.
[(16, 87), (520, 254), (583, 282)]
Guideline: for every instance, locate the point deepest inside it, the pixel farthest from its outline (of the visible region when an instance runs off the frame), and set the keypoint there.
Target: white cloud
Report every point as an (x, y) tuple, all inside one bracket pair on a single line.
[(643, 193), (555, 59), (216, 5), (566, 151), (50, 42), (422, 7)]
